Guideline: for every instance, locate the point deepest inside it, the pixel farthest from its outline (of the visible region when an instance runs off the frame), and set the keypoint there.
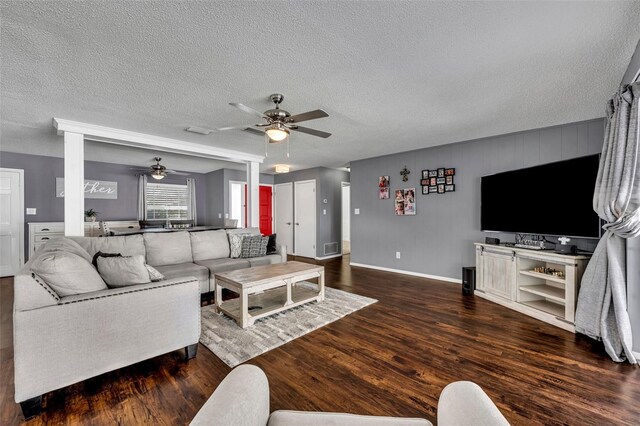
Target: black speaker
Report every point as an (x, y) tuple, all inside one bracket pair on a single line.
[(490, 240), (468, 279)]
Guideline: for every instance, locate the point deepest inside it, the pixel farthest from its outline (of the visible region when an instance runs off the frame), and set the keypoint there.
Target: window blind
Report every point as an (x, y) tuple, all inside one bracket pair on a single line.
[(167, 201)]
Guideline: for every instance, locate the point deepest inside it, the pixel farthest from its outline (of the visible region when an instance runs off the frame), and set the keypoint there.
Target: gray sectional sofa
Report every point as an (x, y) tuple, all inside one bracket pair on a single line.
[(64, 337)]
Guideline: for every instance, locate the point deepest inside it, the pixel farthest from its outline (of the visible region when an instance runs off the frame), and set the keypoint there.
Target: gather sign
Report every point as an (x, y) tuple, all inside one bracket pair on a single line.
[(92, 189)]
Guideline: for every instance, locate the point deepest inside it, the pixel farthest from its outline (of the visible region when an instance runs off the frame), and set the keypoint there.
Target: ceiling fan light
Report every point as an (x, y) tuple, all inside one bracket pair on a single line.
[(282, 168), (277, 132), (158, 174)]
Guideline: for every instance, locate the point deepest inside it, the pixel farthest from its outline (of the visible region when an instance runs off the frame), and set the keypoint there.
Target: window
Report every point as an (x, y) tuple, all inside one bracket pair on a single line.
[(167, 201)]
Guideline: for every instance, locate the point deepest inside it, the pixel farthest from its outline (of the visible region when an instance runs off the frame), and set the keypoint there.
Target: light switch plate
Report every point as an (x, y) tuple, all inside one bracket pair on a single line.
[(324, 211), (31, 210), (397, 255), (356, 211), (219, 215)]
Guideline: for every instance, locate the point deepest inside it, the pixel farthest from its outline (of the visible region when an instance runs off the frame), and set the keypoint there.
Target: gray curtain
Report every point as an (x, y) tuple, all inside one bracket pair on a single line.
[(142, 196), (192, 213), (602, 302)]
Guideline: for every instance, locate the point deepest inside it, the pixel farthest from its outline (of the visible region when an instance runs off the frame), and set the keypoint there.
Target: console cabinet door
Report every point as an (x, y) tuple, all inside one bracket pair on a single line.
[(499, 274)]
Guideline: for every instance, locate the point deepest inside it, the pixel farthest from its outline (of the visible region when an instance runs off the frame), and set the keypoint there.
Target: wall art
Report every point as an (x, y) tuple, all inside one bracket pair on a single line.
[(405, 202), (101, 189), (438, 181)]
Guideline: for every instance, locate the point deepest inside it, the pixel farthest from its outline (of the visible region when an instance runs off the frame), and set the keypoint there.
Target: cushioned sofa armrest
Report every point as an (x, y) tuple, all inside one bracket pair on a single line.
[(281, 249), (241, 399), (111, 292), (32, 292), (465, 403)]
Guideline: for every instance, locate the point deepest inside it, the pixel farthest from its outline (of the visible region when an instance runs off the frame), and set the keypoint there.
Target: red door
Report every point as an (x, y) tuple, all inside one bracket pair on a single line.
[(266, 211)]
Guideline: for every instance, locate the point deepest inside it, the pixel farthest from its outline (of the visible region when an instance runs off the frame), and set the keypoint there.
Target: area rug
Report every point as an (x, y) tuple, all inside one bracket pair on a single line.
[(222, 336)]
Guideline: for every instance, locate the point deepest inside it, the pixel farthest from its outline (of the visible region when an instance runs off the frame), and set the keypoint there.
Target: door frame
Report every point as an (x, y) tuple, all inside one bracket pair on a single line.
[(244, 206), (21, 215), (275, 212), (315, 215), (243, 200), (342, 185)]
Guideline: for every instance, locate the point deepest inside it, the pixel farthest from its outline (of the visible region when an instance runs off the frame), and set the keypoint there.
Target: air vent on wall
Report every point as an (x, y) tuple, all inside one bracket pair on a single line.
[(330, 248)]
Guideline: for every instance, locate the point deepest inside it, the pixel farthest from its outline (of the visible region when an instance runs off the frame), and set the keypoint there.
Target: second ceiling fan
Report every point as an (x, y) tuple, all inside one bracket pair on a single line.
[(278, 123)]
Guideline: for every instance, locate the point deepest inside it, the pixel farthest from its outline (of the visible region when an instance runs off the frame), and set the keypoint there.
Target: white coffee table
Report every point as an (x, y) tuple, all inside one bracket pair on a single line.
[(267, 290)]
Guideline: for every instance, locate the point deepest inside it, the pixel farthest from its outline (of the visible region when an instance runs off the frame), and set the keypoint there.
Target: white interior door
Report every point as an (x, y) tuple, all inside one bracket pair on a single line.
[(284, 215), (11, 221), (237, 202), (305, 218)]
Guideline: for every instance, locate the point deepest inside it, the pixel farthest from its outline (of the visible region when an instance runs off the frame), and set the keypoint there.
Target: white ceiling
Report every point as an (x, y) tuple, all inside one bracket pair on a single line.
[(394, 76)]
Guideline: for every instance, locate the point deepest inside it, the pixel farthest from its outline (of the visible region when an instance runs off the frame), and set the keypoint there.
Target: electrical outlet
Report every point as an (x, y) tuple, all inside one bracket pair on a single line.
[(219, 215), (397, 255), (324, 211), (356, 211), (31, 210)]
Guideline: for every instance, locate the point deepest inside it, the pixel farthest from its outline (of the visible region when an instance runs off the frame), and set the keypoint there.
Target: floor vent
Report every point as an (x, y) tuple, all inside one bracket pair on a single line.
[(330, 248)]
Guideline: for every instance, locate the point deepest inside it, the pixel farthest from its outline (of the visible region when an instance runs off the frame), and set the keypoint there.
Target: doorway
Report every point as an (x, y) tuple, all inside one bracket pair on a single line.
[(284, 215), (238, 205), (346, 218), (305, 218), (11, 221)]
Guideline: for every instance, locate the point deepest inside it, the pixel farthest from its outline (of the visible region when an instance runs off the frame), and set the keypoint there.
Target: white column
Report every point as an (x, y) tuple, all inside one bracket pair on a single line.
[(73, 184), (253, 194)]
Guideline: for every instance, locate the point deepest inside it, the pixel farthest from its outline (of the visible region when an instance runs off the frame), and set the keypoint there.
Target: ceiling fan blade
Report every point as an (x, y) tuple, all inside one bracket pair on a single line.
[(248, 110), (313, 132), (254, 131), (173, 172), (309, 115), (234, 127), (139, 169)]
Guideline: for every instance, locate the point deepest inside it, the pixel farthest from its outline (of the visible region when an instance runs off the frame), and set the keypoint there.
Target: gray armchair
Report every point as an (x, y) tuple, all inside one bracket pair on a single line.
[(242, 399)]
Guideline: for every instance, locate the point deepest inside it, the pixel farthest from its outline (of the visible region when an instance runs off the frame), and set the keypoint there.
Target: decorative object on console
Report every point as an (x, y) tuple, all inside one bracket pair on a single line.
[(533, 242), (90, 215), (563, 247), (405, 174), (439, 181)]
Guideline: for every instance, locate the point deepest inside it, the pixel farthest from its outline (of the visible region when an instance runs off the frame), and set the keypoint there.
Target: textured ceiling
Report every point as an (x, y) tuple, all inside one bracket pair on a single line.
[(394, 76)]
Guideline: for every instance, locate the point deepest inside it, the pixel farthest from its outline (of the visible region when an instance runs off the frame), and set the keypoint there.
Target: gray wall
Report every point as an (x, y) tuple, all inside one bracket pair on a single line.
[(328, 186), (218, 191), (439, 239), (40, 175)]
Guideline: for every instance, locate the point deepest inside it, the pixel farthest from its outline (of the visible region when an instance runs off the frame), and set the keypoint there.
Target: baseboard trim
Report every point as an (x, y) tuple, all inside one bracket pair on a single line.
[(329, 257), (401, 271)]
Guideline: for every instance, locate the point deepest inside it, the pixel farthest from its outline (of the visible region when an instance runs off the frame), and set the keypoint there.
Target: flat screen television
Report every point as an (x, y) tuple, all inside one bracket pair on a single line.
[(550, 199)]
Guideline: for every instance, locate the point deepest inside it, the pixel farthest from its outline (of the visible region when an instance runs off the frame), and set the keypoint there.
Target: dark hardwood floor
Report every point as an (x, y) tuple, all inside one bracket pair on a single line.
[(391, 358)]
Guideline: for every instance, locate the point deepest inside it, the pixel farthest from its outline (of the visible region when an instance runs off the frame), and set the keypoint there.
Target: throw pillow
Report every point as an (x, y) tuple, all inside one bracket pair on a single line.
[(264, 242), (122, 271), (271, 246), (154, 274), (68, 245), (94, 262), (251, 246), (67, 273), (235, 245)]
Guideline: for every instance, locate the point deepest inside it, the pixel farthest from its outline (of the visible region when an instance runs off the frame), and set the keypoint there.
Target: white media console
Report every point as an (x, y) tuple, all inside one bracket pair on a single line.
[(538, 283)]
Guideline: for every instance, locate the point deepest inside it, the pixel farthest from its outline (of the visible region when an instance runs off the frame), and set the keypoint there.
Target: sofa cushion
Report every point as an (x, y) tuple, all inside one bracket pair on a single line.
[(235, 244), (209, 244), (67, 273), (269, 259), (223, 265), (122, 271), (129, 245), (187, 270), (168, 248), (272, 245), (250, 231), (252, 246), (68, 245)]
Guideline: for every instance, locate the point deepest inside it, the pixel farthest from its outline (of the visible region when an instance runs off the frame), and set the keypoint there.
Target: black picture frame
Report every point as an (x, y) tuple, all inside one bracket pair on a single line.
[(424, 182), (450, 188), (425, 174), (448, 180), (433, 181), (450, 172), (425, 190), (440, 181), (433, 189), (441, 172), (440, 188), (433, 173)]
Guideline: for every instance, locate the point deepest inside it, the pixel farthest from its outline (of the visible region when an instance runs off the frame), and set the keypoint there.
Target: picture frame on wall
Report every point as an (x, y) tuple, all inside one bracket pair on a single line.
[(449, 188), (383, 182), (433, 189), (441, 172), (441, 189), (440, 181), (425, 190), (433, 181), (383, 193), (424, 182), (425, 174), (449, 172), (433, 173), (448, 180)]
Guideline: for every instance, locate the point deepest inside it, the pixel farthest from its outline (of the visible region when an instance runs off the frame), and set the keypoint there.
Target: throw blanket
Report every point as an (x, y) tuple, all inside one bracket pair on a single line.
[(602, 302)]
